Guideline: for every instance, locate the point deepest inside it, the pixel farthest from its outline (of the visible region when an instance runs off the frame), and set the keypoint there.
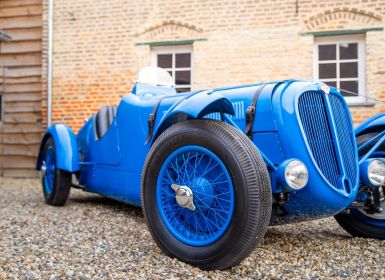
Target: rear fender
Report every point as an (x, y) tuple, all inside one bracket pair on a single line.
[(194, 106), (67, 155)]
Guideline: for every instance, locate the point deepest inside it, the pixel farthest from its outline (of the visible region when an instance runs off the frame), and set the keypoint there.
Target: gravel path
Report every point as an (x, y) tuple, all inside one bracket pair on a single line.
[(97, 238)]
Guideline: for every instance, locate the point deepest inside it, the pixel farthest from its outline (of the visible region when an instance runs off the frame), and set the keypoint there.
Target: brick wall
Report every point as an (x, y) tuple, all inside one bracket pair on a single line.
[(97, 55)]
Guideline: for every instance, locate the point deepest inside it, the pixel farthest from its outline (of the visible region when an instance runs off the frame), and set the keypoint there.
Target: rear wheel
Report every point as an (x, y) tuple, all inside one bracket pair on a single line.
[(206, 194), (56, 182)]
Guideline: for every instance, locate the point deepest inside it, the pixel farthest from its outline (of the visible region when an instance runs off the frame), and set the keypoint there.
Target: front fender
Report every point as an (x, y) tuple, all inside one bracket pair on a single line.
[(373, 124), (194, 106), (203, 103), (67, 155)]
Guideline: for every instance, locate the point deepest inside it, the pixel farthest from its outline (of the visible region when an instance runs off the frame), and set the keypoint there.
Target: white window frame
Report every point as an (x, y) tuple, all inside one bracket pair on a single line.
[(175, 50), (360, 40)]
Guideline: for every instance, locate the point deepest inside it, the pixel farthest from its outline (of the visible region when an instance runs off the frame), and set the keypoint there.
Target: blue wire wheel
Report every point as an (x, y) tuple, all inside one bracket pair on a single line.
[(50, 167), (204, 176), (376, 219)]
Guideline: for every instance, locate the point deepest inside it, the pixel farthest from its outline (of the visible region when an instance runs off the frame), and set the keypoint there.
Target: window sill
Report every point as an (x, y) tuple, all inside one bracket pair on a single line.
[(361, 104)]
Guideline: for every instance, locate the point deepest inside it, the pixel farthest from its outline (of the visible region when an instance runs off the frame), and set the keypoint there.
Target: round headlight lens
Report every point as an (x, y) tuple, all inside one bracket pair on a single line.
[(296, 174), (376, 172)]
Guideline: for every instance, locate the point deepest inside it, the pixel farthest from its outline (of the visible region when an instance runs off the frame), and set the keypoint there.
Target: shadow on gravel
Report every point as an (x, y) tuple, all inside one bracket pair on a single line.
[(274, 234), (109, 203), (306, 236)]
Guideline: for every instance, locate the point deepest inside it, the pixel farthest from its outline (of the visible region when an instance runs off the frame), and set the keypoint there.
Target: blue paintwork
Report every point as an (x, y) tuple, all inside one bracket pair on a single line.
[(67, 153), (195, 105), (49, 175), (375, 123), (114, 169), (371, 141), (381, 139), (319, 198), (279, 135), (112, 165), (207, 177)]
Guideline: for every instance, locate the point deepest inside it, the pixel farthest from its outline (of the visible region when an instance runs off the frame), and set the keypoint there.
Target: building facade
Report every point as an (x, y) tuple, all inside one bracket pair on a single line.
[(99, 47)]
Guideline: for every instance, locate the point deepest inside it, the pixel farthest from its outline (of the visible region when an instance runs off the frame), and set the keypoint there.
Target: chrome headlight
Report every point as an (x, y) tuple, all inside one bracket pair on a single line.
[(294, 174), (376, 172)]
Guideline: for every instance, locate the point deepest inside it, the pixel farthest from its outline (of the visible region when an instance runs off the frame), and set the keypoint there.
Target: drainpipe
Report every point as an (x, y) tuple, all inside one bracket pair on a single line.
[(49, 66)]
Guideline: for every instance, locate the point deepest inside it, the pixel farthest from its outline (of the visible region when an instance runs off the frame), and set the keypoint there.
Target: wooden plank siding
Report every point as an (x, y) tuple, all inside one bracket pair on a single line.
[(18, 3), (20, 86)]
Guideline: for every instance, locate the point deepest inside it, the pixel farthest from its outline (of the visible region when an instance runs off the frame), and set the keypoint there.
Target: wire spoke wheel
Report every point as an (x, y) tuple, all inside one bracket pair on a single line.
[(212, 190), (206, 194), (49, 168)]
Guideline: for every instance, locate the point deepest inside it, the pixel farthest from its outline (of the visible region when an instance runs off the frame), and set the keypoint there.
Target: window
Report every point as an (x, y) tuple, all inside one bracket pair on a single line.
[(177, 61), (339, 61)]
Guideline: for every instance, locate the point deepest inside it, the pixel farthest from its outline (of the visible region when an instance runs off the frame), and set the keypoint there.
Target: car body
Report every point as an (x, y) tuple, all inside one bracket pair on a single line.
[(293, 122)]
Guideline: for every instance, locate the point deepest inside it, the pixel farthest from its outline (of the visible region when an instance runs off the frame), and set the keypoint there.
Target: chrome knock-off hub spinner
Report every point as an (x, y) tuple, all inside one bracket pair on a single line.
[(184, 196), (43, 169)]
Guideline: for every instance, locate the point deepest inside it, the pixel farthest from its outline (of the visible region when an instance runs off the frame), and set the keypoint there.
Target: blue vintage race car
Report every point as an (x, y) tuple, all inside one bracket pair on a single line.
[(213, 169)]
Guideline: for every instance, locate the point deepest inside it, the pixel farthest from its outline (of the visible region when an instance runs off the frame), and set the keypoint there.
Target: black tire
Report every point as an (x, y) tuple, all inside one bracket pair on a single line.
[(253, 198), (351, 221), (61, 181), (359, 228)]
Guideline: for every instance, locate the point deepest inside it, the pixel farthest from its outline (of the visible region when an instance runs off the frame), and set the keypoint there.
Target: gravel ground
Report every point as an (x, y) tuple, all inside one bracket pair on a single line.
[(97, 238)]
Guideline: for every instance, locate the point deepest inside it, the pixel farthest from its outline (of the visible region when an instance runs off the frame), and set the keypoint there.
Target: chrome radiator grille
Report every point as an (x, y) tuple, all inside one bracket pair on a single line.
[(318, 128), (344, 129)]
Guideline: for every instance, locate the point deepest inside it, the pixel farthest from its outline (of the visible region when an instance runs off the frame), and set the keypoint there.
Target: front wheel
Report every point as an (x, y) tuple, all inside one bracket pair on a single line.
[(206, 194), (359, 223)]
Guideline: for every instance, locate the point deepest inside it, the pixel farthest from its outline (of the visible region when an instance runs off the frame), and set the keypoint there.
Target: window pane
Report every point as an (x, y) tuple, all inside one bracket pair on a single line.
[(183, 89), (182, 77), (182, 60), (327, 71), (348, 51), (165, 60), (327, 52), (349, 86), (349, 70), (331, 84)]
